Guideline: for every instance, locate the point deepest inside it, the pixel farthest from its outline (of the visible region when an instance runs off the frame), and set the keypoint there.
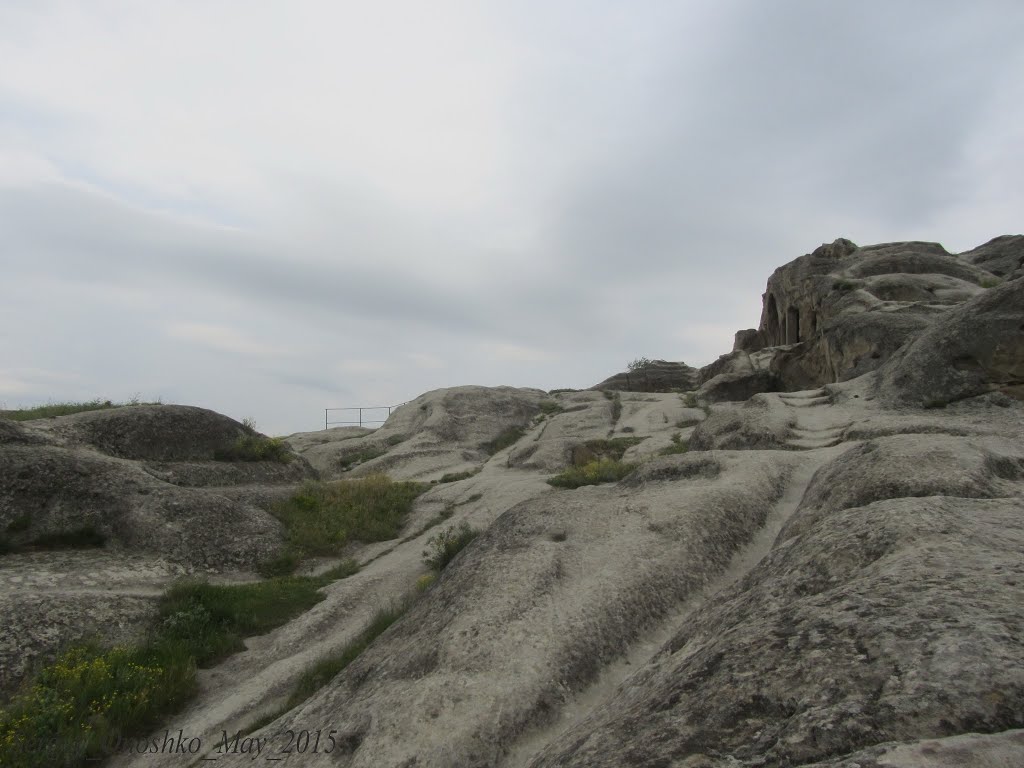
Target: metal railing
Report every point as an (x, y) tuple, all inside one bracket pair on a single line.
[(361, 421)]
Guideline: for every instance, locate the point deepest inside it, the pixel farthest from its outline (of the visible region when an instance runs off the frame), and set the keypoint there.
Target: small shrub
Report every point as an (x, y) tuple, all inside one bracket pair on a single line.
[(639, 364), (559, 536), (593, 473), (990, 282), (283, 564), (395, 440), (347, 567), (508, 437), (689, 399), (550, 407), (444, 546), (844, 286), (255, 448), (611, 448), (424, 582), (562, 391), (616, 408)]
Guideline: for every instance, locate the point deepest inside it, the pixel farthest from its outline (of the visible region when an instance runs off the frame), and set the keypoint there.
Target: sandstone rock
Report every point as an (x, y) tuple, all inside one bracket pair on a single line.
[(738, 386), (879, 623), (748, 340), (1002, 256), (440, 432), (657, 376), (971, 750), (975, 348), (756, 426)]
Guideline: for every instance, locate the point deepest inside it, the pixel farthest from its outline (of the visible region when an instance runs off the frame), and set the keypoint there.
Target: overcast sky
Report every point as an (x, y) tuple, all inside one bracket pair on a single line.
[(269, 208)]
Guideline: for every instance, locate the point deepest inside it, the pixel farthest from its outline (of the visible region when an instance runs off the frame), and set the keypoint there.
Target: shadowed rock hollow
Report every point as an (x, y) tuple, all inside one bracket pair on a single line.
[(830, 575)]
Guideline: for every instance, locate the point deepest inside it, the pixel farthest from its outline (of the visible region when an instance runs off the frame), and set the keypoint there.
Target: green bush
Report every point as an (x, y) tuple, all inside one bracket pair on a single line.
[(639, 364), (454, 477), (592, 473), (444, 546), (79, 706), (322, 518), (255, 448)]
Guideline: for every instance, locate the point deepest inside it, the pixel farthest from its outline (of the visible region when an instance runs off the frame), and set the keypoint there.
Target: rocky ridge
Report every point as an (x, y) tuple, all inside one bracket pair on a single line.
[(831, 575)]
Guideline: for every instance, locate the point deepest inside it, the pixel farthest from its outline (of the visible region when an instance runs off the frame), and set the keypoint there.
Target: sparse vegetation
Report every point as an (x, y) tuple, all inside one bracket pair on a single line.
[(444, 546), (322, 518), (611, 448), (592, 473), (507, 438), (210, 620), (678, 446), (639, 364), (367, 453), (616, 400), (394, 440), (454, 477), (550, 407), (845, 285), (51, 410), (990, 282), (689, 399), (254, 447)]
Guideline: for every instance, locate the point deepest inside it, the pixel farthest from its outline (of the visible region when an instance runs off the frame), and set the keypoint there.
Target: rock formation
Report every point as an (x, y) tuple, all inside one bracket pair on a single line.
[(831, 575)]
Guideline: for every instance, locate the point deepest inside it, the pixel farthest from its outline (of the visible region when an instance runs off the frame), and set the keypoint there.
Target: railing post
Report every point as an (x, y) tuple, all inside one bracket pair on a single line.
[(325, 418)]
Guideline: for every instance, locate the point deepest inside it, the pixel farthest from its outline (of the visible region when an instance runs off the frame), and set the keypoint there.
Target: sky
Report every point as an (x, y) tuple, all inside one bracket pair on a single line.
[(272, 208)]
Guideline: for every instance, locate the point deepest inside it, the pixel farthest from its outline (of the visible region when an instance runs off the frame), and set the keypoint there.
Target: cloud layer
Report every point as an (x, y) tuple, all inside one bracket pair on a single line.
[(268, 209)]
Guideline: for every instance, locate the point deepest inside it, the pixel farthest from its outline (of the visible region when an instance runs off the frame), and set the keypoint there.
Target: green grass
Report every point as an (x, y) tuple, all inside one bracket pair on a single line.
[(678, 446), (550, 407), (689, 399), (592, 473), (442, 547), (210, 620), (612, 448), (323, 518), (454, 477), (255, 448), (50, 410), (77, 707), (368, 453), (508, 437), (990, 282), (395, 440), (89, 698)]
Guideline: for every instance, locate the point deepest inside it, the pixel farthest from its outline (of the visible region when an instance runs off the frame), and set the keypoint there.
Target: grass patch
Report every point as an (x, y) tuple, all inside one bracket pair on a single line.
[(507, 438), (255, 448), (78, 707), (210, 620), (592, 473), (550, 407), (990, 282), (75, 710), (678, 446), (845, 285), (616, 408), (347, 567), (50, 410), (444, 546), (612, 448), (689, 399), (454, 477), (322, 518), (395, 440), (368, 453)]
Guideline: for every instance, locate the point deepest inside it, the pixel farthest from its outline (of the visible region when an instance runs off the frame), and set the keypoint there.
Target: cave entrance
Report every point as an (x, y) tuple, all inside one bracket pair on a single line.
[(772, 322), (792, 325)]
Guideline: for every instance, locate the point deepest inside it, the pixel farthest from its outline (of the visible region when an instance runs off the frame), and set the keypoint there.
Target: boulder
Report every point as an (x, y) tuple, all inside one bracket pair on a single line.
[(1002, 256)]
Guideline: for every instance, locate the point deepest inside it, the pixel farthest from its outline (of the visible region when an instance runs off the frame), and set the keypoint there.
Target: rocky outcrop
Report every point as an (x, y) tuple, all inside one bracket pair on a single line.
[(843, 310), (654, 376), (1002, 256), (971, 350)]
